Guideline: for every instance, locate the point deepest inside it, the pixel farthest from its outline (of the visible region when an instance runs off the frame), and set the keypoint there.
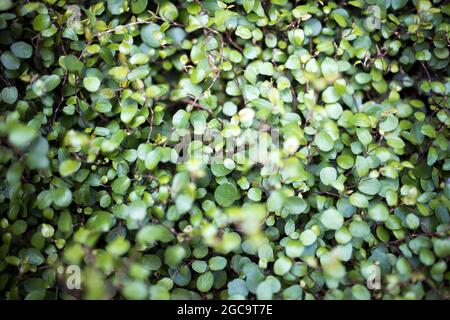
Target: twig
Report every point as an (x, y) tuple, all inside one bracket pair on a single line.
[(426, 71), (99, 34), (233, 43), (151, 125)]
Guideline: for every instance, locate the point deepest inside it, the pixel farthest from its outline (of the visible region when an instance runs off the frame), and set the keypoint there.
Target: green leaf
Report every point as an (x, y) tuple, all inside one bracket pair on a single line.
[(151, 35), (21, 135), (265, 252), (51, 82), (359, 229), (103, 106), (118, 246), (119, 73), (389, 123), (378, 212), (128, 112), (332, 219), (135, 290), (121, 185), (359, 200), (264, 291), (205, 282), (22, 50), (295, 205), (199, 74), (41, 22), (69, 167), (139, 58), (19, 227), (369, 186), (168, 11), (363, 78), (9, 94), (330, 95), (282, 266), (330, 69), (217, 263), (47, 230), (101, 221), (138, 6), (229, 109), (184, 202), (199, 266), (294, 248), (116, 7), (219, 170), (71, 63), (32, 256), (65, 222), (340, 85), (293, 63), (308, 237), (152, 159), (296, 36), (254, 194), (324, 141), (243, 33), (248, 5), (180, 119), (360, 292), (339, 19), (328, 175), (62, 197), (5, 5), (412, 221), (441, 247), (398, 4), (428, 131), (152, 233), (345, 161), (91, 84), (10, 61), (225, 194)]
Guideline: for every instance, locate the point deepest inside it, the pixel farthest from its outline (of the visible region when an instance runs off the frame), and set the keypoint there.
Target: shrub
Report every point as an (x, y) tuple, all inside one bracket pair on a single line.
[(116, 124)]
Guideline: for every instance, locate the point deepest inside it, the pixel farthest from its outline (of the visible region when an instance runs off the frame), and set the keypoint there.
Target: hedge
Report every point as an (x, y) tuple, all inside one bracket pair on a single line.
[(351, 201)]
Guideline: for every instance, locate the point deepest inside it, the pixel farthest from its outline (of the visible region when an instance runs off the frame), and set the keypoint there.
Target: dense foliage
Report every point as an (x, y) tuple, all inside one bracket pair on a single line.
[(95, 96)]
